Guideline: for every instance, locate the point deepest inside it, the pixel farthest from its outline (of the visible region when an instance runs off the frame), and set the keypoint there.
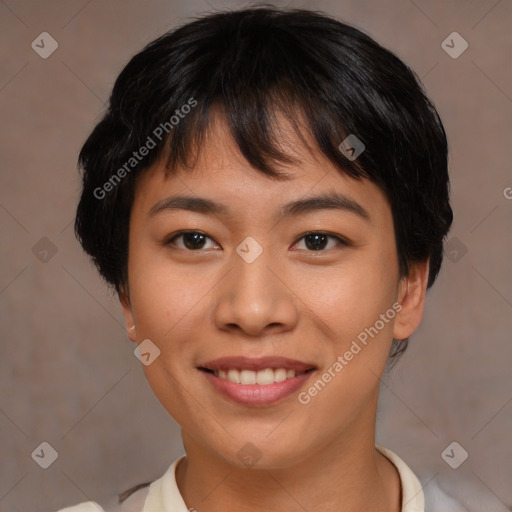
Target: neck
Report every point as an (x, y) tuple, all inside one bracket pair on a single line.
[(348, 474)]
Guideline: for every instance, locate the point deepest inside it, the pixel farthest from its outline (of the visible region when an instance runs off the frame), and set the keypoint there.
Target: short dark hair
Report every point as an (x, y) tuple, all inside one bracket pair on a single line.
[(251, 62)]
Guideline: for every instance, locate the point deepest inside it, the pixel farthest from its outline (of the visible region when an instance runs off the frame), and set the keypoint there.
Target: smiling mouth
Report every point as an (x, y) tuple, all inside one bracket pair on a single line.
[(263, 377)]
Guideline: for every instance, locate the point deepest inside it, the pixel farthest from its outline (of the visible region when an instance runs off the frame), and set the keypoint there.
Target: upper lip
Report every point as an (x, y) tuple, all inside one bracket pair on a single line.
[(256, 364)]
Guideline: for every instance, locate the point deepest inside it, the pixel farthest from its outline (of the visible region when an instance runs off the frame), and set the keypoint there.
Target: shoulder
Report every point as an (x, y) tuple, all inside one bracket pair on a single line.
[(137, 498), (88, 506), (424, 496), (437, 500), (131, 500)]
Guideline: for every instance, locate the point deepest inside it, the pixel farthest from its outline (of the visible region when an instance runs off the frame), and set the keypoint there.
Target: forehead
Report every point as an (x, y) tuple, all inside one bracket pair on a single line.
[(222, 173)]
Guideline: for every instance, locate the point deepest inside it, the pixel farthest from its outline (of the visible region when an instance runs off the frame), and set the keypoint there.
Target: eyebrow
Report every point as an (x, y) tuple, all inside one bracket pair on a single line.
[(325, 201)]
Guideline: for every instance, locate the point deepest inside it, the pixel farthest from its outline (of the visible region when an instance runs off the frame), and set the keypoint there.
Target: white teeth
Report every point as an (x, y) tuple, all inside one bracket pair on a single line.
[(263, 377), (247, 377), (233, 376), (279, 375)]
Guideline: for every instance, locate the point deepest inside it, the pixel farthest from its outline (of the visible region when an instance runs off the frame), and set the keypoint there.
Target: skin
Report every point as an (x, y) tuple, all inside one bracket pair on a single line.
[(200, 304)]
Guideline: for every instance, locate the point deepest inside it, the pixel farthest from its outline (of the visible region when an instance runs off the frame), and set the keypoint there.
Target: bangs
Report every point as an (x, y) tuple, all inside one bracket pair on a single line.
[(258, 133)]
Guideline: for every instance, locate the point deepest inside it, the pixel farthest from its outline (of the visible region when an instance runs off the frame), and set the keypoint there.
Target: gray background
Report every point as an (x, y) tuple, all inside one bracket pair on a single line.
[(68, 375)]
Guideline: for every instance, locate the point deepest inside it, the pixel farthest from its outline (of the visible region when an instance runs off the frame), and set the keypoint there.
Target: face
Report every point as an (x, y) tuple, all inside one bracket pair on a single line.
[(255, 268)]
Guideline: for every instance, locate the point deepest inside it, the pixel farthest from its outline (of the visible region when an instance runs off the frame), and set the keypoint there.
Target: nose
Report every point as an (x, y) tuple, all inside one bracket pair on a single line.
[(255, 299)]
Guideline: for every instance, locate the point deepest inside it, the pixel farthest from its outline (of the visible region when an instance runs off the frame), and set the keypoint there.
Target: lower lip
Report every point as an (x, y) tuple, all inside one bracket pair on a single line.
[(256, 394)]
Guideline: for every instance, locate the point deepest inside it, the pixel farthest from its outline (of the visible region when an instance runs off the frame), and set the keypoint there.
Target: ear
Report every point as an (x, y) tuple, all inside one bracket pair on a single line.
[(412, 291), (131, 329)]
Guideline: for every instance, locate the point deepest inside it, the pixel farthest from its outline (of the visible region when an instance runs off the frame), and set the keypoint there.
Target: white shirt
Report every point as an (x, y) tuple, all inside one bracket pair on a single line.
[(163, 494)]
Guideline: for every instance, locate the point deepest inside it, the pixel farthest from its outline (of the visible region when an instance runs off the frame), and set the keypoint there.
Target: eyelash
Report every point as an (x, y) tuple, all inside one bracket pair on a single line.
[(341, 241)]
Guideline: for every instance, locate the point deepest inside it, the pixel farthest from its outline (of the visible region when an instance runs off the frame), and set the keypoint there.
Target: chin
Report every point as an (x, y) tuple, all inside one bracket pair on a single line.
[(256, 455)]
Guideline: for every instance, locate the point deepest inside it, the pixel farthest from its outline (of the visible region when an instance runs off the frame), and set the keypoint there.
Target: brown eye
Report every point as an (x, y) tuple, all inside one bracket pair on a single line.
[(190, 240), (318, 241)]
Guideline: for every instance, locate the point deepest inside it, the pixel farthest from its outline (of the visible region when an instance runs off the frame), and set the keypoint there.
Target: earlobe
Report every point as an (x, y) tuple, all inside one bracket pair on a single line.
[(128, 316), (412, 292)]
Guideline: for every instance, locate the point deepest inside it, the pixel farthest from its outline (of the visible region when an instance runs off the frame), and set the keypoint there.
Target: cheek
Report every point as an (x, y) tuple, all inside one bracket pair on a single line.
[(351, 297), (166, 298), (168, 309)]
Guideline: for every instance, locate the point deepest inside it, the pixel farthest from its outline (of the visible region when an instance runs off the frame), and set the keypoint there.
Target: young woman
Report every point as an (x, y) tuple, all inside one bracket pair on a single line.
[(268, 194)]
